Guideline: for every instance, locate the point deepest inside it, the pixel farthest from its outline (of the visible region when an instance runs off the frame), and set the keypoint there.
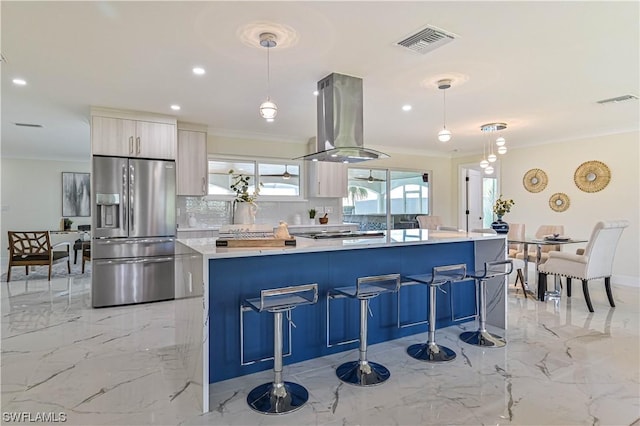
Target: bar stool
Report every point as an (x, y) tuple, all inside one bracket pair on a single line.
[(482, 337), (363, 372), (279, 397), (431, 351)]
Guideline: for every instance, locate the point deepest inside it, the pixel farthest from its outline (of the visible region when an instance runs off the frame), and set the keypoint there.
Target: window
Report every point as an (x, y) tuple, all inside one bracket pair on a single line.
[(277, 179), (368, 204)]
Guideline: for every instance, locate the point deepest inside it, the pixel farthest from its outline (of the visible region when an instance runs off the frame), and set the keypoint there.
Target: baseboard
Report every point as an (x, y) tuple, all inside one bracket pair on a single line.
[(626, 280)]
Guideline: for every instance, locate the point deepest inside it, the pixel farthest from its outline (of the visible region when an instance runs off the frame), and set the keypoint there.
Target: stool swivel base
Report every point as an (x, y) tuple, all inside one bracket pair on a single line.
[(482, 338), (361, 373), (271, 398), (431, 352)]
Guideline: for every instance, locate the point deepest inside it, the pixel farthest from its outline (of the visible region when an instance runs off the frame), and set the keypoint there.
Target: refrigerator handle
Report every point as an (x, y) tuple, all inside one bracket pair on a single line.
[(125, 200), (131, 198)]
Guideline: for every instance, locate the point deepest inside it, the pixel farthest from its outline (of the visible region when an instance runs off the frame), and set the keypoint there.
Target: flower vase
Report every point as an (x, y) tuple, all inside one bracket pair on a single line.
[(244, 213), (500, 226)]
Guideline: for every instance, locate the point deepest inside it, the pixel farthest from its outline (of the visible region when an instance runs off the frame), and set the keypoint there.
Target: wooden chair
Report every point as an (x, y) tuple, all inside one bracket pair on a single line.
[(31, 248), (86, 256)]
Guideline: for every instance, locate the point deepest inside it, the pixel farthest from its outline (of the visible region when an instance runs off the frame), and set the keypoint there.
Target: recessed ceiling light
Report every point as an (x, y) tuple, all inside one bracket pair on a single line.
[(175, 107), (19, 82), (316, 93), (406, 107), (198, 71)]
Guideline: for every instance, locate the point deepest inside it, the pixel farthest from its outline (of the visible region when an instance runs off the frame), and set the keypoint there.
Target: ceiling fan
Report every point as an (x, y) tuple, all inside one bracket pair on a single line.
[(370, 179), (286, 175)]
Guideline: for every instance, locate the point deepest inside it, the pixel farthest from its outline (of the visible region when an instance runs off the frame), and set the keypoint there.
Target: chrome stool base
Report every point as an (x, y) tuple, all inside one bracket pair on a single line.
[(431, 353), (483, 338), (362, 374), (267, 399)]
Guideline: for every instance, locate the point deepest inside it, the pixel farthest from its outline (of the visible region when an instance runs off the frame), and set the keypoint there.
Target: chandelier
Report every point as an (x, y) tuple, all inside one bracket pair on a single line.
[(500, 142), (268, 108)]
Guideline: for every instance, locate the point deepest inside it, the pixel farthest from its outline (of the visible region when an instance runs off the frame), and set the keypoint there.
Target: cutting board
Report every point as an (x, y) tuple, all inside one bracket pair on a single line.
[(255, 242)]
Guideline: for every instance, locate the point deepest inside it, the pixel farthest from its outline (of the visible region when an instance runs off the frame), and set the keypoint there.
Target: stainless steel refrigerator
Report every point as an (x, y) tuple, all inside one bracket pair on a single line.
[(134, 226)]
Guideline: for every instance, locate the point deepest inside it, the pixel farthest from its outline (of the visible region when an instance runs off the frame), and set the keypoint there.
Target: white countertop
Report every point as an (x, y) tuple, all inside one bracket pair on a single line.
[(207, 246)]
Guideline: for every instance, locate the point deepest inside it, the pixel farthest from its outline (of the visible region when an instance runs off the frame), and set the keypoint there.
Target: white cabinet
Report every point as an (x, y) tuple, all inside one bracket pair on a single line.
[(325, 179), (191, 163), (132, 138)]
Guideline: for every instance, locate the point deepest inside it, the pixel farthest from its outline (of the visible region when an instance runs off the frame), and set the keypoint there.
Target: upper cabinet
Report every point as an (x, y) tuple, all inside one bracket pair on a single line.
[(125, 135), (192, 163), (325, 179)]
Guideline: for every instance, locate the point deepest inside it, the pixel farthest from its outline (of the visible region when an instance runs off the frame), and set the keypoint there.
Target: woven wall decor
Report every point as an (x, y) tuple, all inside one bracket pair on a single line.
[(559, 202), (535, 180), (592, 176)]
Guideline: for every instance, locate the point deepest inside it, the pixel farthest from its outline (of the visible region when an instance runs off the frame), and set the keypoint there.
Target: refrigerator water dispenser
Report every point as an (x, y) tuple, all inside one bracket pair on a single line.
[(108, 206)]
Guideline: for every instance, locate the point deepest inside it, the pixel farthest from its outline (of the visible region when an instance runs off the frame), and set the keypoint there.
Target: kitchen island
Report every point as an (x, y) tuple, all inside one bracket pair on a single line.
[(212, 282)]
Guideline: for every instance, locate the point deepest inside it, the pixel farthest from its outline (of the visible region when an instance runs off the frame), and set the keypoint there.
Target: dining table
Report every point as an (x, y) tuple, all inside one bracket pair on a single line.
[(539, 242)]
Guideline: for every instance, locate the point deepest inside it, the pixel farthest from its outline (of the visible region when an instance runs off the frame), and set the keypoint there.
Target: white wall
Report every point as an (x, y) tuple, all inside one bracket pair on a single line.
[(619, 200), (32, 195)]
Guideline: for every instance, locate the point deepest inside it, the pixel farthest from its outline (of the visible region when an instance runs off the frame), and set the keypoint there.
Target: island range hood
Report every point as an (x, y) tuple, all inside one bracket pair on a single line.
[(339, 138)]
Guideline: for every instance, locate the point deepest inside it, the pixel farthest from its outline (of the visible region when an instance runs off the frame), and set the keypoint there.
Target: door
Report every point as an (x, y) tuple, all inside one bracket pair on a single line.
[(109, 197), (470, 213), (192, 163), (152, 187)]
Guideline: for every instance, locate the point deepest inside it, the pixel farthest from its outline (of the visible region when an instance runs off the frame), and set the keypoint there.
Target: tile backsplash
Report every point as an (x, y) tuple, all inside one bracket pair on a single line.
[(208, 212)]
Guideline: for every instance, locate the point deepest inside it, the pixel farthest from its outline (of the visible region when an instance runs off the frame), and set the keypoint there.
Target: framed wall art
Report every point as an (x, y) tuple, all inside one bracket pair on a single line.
[(76, 194)]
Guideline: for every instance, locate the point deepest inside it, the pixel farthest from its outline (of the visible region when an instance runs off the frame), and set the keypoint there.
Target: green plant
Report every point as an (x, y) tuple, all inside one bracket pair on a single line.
[(240, 184), (357, 193), (501, 207), (67, 223), (312, 213)]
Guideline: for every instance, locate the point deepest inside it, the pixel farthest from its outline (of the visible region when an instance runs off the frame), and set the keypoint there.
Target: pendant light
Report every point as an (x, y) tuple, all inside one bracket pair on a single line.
[(444, 135), (286, 175), (268, 108), (484, 163), (500, 142)]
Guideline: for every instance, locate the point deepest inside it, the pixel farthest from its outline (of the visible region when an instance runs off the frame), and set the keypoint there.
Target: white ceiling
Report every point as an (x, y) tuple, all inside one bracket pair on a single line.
[(538, 66)]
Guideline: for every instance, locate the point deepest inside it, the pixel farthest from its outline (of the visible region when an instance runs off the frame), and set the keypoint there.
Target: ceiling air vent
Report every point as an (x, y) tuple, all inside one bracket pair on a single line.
[(426, 40), (618, 99), (28, 125)]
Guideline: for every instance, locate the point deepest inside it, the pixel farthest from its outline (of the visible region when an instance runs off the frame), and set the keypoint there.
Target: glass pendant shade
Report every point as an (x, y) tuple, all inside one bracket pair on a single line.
[(444, 135), (268, 110), (492, 158), (502, 150), (484, 164), (488, 170), (500, 141)]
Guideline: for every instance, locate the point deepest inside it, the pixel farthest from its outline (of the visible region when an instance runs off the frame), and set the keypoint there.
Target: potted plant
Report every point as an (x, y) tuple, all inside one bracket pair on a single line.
[(500, 208), (312, 216), (67, 223), (244, 206)]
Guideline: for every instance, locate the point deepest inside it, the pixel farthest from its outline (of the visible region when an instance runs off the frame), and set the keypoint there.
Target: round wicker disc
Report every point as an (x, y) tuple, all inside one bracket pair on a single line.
[(592, 176), (535, 180), (559, 202)]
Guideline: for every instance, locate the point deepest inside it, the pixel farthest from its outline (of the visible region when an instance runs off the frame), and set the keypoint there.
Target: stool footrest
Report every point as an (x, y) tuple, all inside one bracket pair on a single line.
[(431, 352), (362, 374), (266, 399)]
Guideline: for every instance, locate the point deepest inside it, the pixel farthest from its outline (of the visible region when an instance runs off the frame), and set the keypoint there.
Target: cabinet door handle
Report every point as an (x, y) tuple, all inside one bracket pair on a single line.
[(138, 145), (130, 144), (204, 187)]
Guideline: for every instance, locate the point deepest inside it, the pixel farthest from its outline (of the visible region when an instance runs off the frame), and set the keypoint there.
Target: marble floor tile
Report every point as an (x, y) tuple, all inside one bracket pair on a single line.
[(562, 366)]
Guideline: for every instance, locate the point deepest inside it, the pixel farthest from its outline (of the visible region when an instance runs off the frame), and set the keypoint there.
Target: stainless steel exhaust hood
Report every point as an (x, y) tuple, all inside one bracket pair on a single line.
[(339, 137)]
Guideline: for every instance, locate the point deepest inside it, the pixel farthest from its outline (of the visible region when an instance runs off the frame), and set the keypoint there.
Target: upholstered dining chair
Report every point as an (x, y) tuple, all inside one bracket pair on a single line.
[(516, 232), (545, 249), (595, 262), (428, 222), (31, 248)]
